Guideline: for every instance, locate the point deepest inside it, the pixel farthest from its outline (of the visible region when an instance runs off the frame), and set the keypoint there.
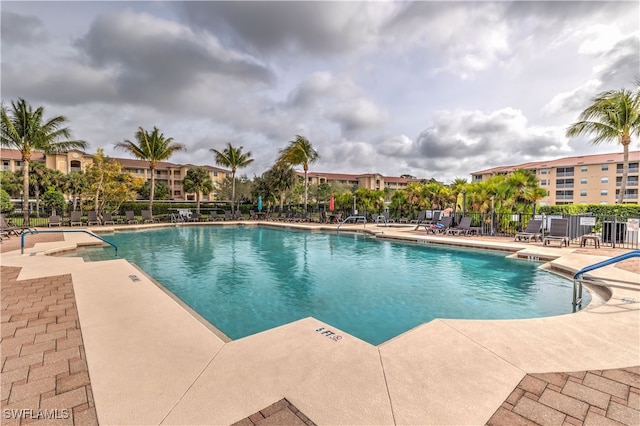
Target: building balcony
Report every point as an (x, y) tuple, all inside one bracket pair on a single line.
[(564, 174), (564, 197), (564, 185)]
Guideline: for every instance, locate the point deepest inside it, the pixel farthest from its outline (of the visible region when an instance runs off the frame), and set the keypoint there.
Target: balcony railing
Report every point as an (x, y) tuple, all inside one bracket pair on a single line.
[(564, 174)]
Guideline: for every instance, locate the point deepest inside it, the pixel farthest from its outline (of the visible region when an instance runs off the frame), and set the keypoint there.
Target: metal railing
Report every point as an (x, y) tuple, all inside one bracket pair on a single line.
[(355, 219), (35, 231), (579, 279)]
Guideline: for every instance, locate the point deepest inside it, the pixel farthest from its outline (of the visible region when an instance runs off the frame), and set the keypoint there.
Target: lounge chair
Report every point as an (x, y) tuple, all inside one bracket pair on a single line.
[(463, 228), (147, 217), (76, 218), (558, 231), (195, 217), (228, 215), (420, 220), (440, 227), (129, 217), (9, 229), (531, 232), (107, 219), (92, 218)]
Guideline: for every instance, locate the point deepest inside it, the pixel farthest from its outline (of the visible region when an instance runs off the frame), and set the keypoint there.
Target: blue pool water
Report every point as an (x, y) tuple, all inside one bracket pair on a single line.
[(245, 280)]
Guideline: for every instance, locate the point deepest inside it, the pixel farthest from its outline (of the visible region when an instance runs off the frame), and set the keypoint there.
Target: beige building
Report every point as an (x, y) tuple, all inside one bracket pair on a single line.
[(170, 174), (368, 181), (585, 179)]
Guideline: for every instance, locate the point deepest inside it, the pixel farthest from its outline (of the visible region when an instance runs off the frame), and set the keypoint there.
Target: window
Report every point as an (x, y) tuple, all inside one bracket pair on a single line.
[(583, 192), (5, 165), (18, 164), (564, 171), (564, 183), (604, 192), (604, 180), (633, 168), (605, 167), (583, 181), (543, 182), (544, 171), (564, 195), (584, 169), (215, 174)]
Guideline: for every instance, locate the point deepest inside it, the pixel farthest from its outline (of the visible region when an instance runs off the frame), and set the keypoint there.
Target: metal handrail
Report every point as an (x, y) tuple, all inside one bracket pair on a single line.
[(578, 276), (353, 217), (35, 231)]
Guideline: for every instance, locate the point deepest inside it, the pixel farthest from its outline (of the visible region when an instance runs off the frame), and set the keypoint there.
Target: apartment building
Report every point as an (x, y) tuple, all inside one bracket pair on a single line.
[(170, 174), (584, 179), (368, 181)]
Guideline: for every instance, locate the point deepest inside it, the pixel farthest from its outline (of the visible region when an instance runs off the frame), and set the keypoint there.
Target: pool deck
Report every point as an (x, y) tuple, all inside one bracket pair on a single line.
[(134, 355)]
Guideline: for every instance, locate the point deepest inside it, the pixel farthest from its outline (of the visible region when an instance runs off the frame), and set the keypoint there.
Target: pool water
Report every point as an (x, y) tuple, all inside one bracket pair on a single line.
[(246, 279)]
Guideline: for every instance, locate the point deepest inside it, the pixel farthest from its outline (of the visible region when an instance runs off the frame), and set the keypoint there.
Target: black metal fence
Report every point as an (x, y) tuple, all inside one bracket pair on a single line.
[(614, 231)]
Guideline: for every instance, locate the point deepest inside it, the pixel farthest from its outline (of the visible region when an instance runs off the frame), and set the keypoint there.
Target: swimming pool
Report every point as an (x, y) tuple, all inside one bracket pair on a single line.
[(249, 279)]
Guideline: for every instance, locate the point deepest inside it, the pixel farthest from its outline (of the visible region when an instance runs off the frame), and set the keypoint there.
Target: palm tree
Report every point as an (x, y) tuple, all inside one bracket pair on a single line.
[(300, 152), (152, 147), (613, 116), (233, 158), (197, 180), (24, 129)]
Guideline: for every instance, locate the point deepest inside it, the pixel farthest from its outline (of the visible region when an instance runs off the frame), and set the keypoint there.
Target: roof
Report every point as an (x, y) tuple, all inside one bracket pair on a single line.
[(578, 160), (354, 177), (129, 163)]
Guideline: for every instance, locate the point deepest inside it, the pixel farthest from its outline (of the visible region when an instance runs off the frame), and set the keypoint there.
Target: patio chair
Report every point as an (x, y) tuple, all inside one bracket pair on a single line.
[(92, 218), (558, 231), (195, 217), (76, 218), (147, 217), (440, 227), (129, 217), (463, 228), (107, 219), (9, 229), (531, 232), (228, 215), (54, 220)]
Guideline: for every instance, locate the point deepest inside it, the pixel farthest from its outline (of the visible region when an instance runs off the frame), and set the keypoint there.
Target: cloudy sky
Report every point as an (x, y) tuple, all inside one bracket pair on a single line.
[(431, 88)]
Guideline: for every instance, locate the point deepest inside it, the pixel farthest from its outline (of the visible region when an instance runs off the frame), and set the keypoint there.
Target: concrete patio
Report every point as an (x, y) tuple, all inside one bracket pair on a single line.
[(151, 361)]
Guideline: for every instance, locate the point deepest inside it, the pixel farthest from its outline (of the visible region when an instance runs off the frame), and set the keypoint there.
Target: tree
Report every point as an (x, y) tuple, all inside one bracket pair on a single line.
[(53, 199), (234, 159), (198, 180), (25, 129), (281, 178), (107, 185), (160, 191), (613, 116), (5, 201), (75, 184), (300, 152), (152, 147)]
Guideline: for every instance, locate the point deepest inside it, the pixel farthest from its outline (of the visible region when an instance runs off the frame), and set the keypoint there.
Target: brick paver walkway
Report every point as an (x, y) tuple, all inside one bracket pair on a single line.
[(607, 397), (278, 413), (44, 370)]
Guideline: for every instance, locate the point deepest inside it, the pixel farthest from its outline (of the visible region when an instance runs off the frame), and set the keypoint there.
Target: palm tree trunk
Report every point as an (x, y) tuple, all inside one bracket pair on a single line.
[(306, 188), (152, 189), (233, 190), (25, 189), (626, 141)]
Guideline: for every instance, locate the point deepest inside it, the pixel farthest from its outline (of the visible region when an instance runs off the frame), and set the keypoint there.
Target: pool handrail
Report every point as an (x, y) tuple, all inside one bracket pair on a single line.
[(578, 276), (36, 231), (355, 218)]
